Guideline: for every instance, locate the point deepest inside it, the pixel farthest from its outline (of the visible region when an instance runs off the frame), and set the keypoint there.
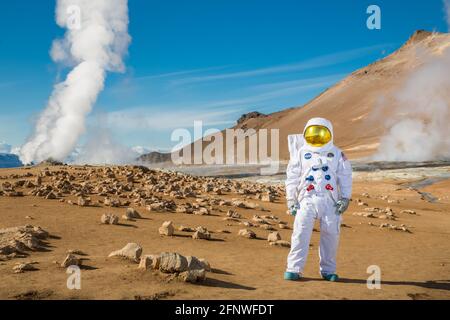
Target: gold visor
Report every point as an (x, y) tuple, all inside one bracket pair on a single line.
[(317, 136)]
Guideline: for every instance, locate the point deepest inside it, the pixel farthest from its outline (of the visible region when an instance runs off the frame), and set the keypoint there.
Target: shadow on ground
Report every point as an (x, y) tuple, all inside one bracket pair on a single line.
[(431, 284)]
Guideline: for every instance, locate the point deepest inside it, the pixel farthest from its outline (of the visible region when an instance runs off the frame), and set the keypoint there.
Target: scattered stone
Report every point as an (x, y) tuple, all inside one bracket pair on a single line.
[(258, 219), (281, 243), (172, 262), (201, 233), (149, 262), (246, 233), (197, 264), (394, 227), (364, 214), (184, 208), (50, 196), (71, 260), (408, 211), (14, 242), (267, 227), (111, 202), (83, 202), (267, 198), (204, 264), (247, 224), (155, 207), (132, 251), (193, 275), (233, 214), (132, 213), (109, 218), (273, 236), (23, 267), (187, 269), (166, 229), (202, 211), (244, 204)]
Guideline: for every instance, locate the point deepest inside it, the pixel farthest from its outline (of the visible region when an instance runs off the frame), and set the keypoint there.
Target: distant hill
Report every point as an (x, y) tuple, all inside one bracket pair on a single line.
[(155, 157), (8, 160)]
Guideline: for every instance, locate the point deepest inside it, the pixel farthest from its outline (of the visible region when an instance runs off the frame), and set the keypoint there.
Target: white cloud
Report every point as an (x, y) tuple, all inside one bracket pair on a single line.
[(318, 62), (179, 73), (215, 112), (5, 148), (301, 84), (163, 118)]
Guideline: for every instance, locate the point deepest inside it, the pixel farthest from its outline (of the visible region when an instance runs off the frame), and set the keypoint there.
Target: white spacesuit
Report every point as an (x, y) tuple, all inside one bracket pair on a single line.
[(318, 186)]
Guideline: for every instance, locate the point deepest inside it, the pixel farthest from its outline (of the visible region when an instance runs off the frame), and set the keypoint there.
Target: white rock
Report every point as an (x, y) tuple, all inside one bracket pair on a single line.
[(281, 243), (109, 218), (199, 234), (172, 262), (273, 236), (193, 275), (408, 211), (149, 262), (246, 233), (166, 229), (131, 213), (132, 251), (22, 267), (71, 260)]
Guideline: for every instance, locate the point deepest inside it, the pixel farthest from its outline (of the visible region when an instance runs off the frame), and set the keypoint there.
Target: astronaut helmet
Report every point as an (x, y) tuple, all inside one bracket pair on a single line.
[(318, 133)]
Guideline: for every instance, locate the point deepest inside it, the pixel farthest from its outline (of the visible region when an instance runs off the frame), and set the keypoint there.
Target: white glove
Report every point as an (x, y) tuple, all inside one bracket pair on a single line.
[(293, 206), (342, 205)]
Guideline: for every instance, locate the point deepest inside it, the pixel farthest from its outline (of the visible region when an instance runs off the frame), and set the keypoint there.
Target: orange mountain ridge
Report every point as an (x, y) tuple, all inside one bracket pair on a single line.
[(356, 105)]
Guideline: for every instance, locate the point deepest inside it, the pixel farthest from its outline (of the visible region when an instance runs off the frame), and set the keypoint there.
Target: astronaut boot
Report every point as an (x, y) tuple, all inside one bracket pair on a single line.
[(330, 277), (292, 276)]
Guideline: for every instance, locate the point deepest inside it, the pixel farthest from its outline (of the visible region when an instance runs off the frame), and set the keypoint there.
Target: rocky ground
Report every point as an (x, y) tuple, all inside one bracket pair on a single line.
[(138, 233)]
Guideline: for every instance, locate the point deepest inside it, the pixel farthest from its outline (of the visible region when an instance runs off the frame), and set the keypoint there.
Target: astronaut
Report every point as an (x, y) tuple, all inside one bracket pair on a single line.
[(318, 186)]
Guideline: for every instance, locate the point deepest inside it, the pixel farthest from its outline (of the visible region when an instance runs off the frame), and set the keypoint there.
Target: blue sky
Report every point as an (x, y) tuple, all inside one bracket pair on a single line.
[(203, 60)]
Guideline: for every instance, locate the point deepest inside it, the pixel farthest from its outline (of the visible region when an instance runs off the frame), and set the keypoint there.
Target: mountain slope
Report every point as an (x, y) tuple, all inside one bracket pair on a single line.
[(359, 105)]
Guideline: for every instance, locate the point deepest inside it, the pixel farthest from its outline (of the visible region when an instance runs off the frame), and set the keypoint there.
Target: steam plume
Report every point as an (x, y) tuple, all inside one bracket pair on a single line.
[(420, 129), (94, 46)]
